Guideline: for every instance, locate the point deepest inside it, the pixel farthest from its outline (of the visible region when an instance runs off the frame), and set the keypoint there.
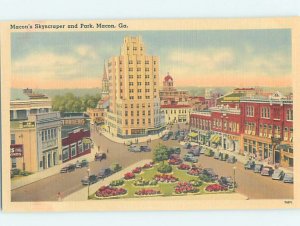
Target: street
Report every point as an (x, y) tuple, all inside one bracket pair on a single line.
[(254, 186)]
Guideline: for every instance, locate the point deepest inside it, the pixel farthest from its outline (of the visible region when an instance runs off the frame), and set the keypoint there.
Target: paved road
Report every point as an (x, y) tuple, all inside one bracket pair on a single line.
[(250, 184)]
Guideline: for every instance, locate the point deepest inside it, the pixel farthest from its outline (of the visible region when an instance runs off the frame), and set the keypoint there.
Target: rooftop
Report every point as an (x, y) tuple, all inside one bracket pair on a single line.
[(175, 106)]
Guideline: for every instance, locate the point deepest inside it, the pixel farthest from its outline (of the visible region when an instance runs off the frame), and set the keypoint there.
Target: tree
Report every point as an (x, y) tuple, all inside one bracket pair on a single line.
[(161, 153)]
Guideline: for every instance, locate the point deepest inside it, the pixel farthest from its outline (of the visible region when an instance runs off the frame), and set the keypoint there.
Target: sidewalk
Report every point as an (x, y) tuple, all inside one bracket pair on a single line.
[(82, 194), (243, 158), (49, 172), (140, 139)]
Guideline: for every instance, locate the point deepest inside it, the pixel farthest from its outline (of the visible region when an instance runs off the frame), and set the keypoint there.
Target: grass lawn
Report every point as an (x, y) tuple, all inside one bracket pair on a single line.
[(166, 189)]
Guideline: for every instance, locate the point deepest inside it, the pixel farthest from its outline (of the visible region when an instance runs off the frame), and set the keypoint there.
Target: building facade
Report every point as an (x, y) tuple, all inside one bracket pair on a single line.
[(176, 113), (256, 126), (134, 107)]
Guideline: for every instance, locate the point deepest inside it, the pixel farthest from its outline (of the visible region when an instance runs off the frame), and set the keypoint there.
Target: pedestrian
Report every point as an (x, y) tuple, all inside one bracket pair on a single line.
[(59, 197), (107, 150)]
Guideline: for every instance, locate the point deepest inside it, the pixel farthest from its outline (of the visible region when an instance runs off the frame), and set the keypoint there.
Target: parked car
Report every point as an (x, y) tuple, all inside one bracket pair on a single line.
[(165, 137), (202, 150), (267, 171), (249, 165), (231, 159), (175, 150), (278, 174), (68, 168), (134, 148), (89, 180), (217, 155), (210, 173), (195, 150), (100, 156), (83, 163), (288, 178), (190, 158), (180, 138), (227, 182), (187, 145), (208, 152), (104, 172), (116, 167), (170, 133), (258, 168), (145, 148)]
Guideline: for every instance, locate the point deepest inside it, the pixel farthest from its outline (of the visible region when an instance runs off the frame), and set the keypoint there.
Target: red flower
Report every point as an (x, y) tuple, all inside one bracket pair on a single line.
[(129, 176), (137, 170), (107, 191)]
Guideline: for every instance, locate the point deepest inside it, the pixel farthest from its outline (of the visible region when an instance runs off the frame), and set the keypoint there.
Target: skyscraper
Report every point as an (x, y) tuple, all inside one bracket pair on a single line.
[(133, 89)]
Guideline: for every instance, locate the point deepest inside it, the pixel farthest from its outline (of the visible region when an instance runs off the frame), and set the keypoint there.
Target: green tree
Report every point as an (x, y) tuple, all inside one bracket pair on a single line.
[(161, 153)]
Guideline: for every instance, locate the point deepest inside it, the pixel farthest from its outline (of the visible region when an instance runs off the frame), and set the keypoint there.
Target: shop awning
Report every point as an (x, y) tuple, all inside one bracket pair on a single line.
[(193, 134), (215, 138), (103, 127)]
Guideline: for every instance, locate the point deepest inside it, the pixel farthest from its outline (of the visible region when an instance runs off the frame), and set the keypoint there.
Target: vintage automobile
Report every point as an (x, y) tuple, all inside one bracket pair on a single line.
[(69, 168), (165, 137), (100, 156), (278, 174), (217, 155), (208, 152), (89, 180), (288, 178), (190, 158), (134, 148), (267, 171), (187, 145), (209, 172), (231, 159), (116, 167), (195, 150), (145, 148), (249, 165), (104, 172), (227, 182), (258, 168), (83, 163)]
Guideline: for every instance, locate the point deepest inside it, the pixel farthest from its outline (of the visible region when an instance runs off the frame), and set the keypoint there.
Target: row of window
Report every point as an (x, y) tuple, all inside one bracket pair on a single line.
[(140, 83), (139, 76), (137, 121), (138, 113), (175, 111), (139, 62), (75, 149), (49, 134), (140, 97), (265, 113)]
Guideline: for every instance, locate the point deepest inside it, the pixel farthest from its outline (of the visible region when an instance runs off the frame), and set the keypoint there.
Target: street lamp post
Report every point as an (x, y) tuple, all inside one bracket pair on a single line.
[(88, 173), (234, 168), (23, 165)]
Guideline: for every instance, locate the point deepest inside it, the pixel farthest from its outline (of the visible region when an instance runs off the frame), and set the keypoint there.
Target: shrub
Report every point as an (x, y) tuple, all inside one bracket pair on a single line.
[(196, 183), (164, 168), (141, 182), (206, 178), (117, 183), (129, 176)]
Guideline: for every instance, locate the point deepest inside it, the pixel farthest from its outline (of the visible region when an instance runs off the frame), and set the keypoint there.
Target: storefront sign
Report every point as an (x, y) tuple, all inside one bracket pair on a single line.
[(27, 125), (16, 150), (86, 140)]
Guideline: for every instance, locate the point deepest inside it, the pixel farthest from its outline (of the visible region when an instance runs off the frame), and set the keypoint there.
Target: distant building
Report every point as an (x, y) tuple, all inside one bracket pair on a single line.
[(74, 118), (176, 113), (169, 95), (197, 103), (97, 114), (211, 97), (105, 83)]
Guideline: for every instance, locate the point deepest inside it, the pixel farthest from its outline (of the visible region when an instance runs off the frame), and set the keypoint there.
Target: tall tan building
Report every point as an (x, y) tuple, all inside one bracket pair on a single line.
[(134, 108)]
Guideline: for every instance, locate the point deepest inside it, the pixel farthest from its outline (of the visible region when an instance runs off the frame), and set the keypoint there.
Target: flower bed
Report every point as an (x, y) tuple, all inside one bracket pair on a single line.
[(148, 165), (142, 182), (137, 170), (175, 161), (164, 168), (195, 171), (148, 191), (185, 187), (165, 178), (108, 191), (196, 183), (215, 187), (184, 166), (116, 183), (129, 176)]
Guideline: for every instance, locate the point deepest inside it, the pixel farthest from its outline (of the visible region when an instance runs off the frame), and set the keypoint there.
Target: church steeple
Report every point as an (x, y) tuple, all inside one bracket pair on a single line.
[(104, 77), (105, 83)]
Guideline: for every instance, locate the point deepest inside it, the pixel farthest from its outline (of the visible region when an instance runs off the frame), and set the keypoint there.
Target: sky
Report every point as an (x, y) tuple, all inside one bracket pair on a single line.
[(215, 58)]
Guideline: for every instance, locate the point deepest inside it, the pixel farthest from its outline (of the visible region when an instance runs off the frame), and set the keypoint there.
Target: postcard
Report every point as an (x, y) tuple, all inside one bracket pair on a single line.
[(156, 114)]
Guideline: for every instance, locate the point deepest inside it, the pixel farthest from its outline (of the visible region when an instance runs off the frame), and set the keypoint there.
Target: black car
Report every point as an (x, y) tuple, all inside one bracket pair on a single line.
[(68, 168), (89, 180), (100, 156), (210, 173), (227, 182), (249, 165), (105, 172)]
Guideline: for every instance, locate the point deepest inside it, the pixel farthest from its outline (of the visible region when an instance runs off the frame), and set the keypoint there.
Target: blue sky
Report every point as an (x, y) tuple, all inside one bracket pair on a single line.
[(201, 58)]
